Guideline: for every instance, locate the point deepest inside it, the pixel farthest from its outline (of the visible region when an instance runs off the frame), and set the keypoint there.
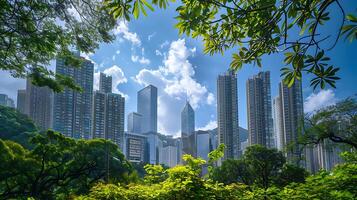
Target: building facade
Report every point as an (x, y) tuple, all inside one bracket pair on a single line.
[(6, 101), (39, 105), (259, 111), (21, 101), (135, 147), (105, 83), (147, 108), (169, 156), (73, 109), (203, 144), (188, 135), (108, 113), (227, 114), (291, 116), (134, 122)]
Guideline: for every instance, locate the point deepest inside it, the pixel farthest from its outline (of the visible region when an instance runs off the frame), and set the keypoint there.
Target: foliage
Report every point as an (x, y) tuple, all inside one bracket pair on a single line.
[(290, 174), (233, 171), (16, 126), (58, 166), (337, 123), (341, 183), (262, 27), (35, 32)]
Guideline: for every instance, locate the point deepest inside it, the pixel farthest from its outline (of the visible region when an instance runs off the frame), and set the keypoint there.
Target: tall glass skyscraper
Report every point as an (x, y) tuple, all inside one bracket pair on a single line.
[(73, 110), (260, 121), (39, 105), (188, 130), (227, 114), (147, 108)]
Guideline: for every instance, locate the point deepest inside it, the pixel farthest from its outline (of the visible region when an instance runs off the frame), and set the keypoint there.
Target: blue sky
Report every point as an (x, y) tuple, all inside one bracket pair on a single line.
[(150, 51)]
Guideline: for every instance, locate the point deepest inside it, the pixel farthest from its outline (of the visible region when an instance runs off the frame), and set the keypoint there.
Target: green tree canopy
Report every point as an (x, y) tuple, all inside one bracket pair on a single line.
[(58, 166), (337, 123), (16, 126), (35, 32)]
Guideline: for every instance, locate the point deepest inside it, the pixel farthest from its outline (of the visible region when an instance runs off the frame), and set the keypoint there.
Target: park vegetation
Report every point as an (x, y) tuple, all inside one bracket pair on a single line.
[(48, 165)]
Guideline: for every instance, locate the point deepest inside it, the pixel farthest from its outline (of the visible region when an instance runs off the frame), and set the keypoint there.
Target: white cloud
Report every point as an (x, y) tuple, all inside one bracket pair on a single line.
[(113, 57), (158, 53), (319, 100), (117, 52), (209, 126), (142, 60), (151, 36), (164, 44), (117, 76), (123, 30), (175, 83)]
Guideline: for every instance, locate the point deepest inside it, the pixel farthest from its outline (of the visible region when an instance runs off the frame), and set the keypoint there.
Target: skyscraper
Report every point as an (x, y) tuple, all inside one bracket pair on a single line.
[(72, 109), (291, 116), (147, 107), (108, 113), (278, 123), (21, 101), (260, 122), (105, 83), (227, 109), (203, 144), (188, 130), (6, 101), (134, 122), (39, 105)]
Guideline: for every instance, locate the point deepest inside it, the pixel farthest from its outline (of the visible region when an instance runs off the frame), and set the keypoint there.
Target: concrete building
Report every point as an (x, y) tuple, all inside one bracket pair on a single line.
[(21, 101), (108, 113), (188, 135), (291, 116), (135, 147), (6, 101), (134, 122), (227, 114), (39, 105), (153, 147), (73, 109), (147, 107), (259, 111), (105, 83), (169, 156)]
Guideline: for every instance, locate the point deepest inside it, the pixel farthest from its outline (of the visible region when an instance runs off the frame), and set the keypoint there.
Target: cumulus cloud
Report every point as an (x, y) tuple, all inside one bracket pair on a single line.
[(209, 126), (164, 44), (142, 60), (117, 76), (176, 83), (319, 100), (122, 30)]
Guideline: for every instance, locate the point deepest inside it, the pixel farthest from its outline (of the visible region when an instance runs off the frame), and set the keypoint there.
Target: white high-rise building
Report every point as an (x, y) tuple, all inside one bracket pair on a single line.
[(227, 114), (169, 156), (6, 101), (278, 123)]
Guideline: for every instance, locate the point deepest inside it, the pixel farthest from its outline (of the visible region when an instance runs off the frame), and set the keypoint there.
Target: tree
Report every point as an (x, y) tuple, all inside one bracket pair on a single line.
[(16, 126), (233, 171), (58, 166), (290, 174), (35, 32), (337, 123), (264, 27), (264, 163)]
